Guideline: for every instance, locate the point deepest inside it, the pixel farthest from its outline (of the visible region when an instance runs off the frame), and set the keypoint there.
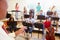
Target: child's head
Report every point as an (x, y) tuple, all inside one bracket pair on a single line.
[(41, 10), (38, 3), (48, 19)]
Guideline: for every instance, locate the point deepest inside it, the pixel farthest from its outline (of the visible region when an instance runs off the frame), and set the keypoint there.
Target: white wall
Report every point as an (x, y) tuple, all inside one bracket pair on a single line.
[(45, 4)]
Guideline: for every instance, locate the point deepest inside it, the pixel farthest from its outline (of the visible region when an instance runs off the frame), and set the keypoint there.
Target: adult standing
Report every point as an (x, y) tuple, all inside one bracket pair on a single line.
[(16, 8), (3, 34)]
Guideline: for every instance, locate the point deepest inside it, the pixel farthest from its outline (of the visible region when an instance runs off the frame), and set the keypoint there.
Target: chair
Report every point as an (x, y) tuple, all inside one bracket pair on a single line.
[(39, 26), (12, 26), (28, 29)]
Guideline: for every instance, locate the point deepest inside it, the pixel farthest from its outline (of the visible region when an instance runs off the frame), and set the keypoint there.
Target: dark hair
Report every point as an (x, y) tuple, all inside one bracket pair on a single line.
[(11, 19)]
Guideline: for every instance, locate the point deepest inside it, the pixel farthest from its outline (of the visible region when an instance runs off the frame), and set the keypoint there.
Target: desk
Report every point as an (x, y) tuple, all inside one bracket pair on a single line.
[(13, 12)]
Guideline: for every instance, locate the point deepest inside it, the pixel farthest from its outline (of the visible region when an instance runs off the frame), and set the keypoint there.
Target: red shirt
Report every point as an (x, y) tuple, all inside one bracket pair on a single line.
[(47, 24)]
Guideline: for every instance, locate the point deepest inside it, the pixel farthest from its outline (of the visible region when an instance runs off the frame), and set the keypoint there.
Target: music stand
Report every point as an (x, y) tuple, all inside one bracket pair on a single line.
[(49, 13), (26, 16), (39, 26), (15, 11), (55, 19), (41, 17)]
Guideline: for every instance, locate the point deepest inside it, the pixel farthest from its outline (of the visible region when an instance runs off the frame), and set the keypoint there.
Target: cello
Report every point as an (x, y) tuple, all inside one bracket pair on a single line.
[(49, 30), (50, 35)]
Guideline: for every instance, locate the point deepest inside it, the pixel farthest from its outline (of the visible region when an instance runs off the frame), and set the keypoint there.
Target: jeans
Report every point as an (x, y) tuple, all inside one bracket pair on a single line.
[(30, 29)]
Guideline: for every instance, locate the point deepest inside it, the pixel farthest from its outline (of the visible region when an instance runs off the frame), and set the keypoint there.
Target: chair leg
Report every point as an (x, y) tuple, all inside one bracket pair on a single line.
[(38, 33), (31, 34)]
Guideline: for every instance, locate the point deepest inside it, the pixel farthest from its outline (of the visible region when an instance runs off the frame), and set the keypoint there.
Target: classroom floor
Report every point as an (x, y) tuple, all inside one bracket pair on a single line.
[(34, 37)]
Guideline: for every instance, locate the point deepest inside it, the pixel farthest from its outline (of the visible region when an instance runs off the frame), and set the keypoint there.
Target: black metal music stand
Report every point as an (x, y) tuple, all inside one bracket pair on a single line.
[(49, 13), (26, 16), (12, 11), (54, 19), (15, 11), (39, 26), (41, 17)]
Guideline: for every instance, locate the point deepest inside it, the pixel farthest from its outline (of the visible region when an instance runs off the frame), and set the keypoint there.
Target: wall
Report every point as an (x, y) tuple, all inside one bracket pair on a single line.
[(45, 4)]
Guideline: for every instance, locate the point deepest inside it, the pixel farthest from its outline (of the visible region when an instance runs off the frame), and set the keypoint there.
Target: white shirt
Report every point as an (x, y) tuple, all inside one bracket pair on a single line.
[(32, 20), (4, 35)]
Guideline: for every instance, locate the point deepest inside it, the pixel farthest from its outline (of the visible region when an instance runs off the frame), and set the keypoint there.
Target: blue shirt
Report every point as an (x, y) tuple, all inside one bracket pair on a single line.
[(38, 8)]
